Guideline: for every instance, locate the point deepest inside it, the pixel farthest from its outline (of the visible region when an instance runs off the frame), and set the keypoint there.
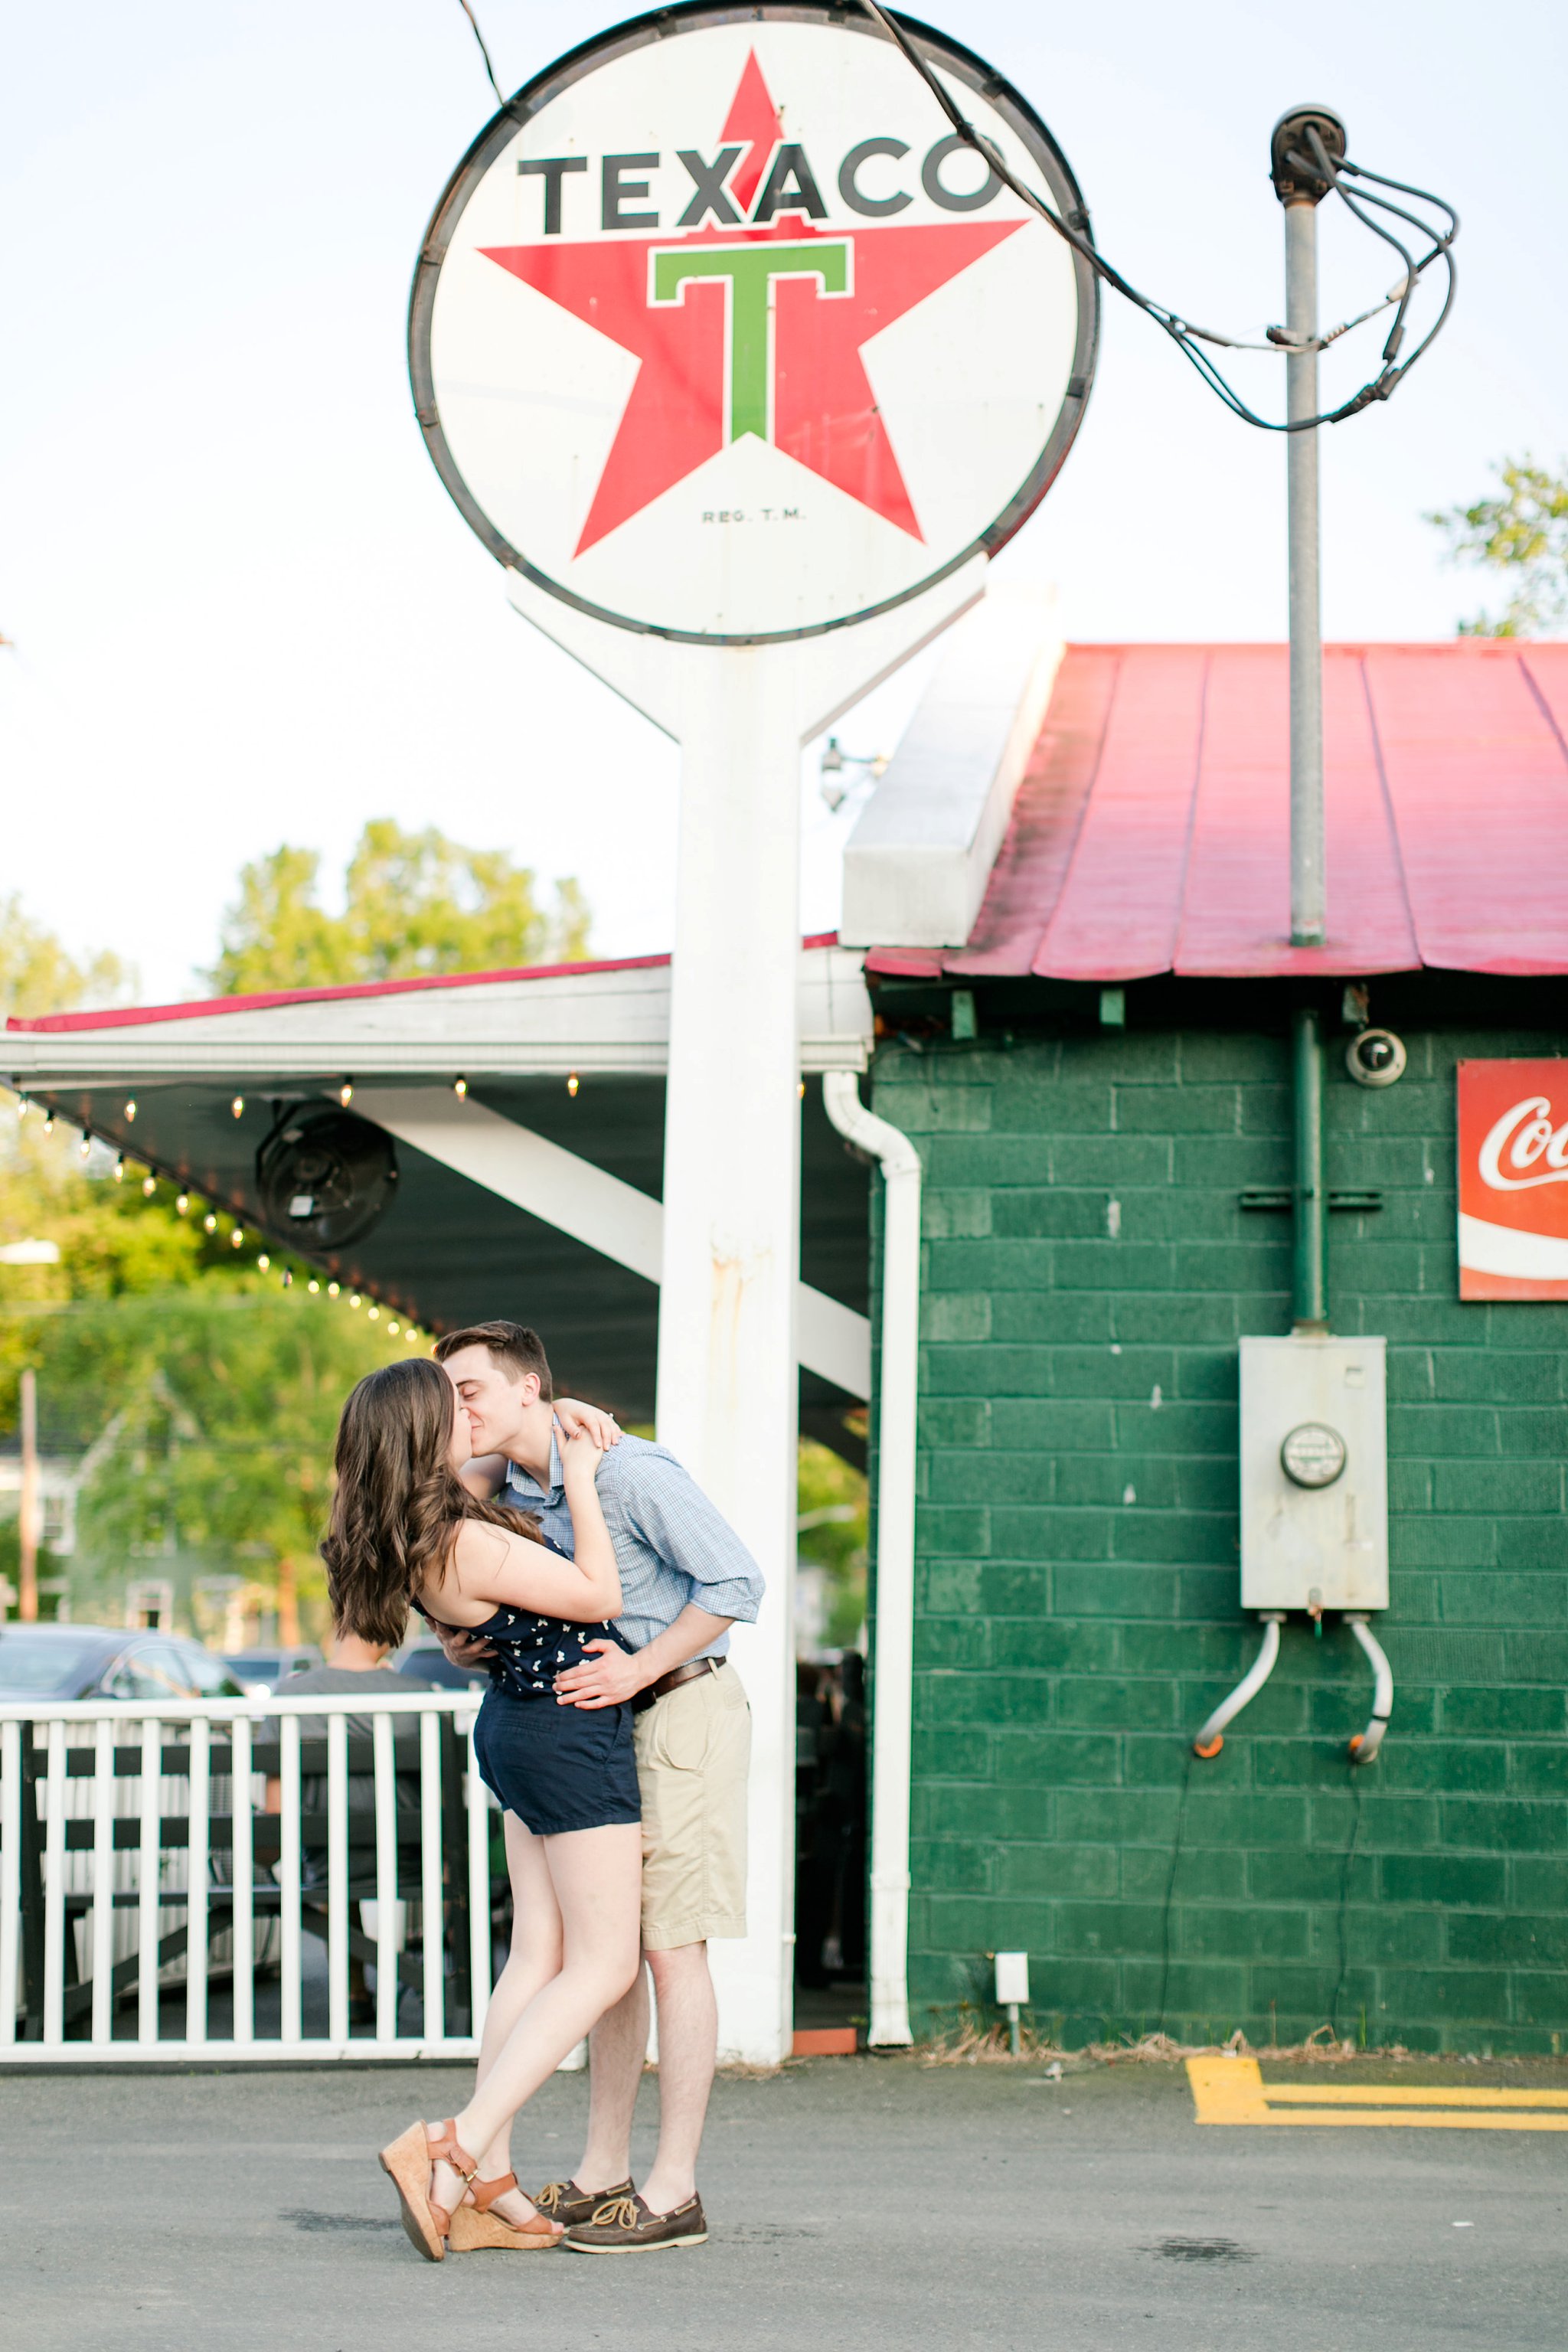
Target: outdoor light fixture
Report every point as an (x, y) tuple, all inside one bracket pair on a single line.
[(314, 1285), (1375, 1057), (263, 1262), (237, 1237), (573, 1084), (120, 1168), (84, 1146), (392, 1328), (22, 1105), (288, 1279), (346, 1093), (130, 1110), (237, 1105), (49, 1122), (209, 1223), (354, 1300), (375, 1314), (331, 1290), (181, 1204), (459, 1086), (149, 1186)]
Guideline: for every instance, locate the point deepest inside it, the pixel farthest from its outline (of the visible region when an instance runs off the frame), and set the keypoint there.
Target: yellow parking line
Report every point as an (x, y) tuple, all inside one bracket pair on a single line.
[(1232, 2090)]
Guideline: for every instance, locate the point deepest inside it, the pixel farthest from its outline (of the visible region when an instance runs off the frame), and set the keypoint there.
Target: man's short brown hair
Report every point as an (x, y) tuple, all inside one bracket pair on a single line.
[(512, 1346)]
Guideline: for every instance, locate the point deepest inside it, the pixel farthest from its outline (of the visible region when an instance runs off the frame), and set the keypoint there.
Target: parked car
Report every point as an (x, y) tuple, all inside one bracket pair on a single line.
[(259, 1672), (426, 1660), (107, 1661)]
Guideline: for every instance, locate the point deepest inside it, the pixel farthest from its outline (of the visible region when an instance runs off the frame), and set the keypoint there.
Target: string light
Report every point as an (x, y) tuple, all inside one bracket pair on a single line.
[(354, 1300), (23, 1106), (346, 1093), (237, 1105), (181, 1204), (209, 1223), (149, 1186), (392, 1328), (375, 1314), (119, 1168), (263, 1262), (84, 1146), (411, 1337), (573, 1084), (332, 1289), (237, 1237), (49, 1122), (459, 1086), (315, 1285), (130, 1111), (288, 1278)]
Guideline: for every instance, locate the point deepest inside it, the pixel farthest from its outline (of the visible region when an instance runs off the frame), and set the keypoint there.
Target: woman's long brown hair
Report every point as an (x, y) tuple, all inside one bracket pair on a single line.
[(398, 1502)]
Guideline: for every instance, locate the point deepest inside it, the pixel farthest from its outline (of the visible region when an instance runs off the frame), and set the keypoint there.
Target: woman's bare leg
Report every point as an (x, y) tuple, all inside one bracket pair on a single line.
[(596, 1878), (534, 1957)]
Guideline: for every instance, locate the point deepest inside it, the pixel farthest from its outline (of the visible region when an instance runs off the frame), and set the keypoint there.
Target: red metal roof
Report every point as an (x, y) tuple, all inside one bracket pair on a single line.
[(131, 1016), (1151, 833)]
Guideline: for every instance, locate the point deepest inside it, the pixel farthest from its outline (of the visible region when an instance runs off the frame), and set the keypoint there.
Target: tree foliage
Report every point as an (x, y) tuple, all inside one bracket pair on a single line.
[(37, 975), (414, 904), (1523, 535)]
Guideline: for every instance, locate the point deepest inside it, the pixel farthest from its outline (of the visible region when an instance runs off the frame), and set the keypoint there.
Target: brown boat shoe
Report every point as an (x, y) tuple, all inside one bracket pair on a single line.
[(563, 2201), (623, 2225)]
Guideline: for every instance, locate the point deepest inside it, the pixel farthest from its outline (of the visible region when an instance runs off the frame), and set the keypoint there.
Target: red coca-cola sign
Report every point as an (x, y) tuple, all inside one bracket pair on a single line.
[(1513, 1180)]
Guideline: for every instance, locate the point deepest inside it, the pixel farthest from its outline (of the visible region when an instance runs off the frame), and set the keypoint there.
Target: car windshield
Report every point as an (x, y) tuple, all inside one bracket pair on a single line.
[(41, 1662), (256, 1665)]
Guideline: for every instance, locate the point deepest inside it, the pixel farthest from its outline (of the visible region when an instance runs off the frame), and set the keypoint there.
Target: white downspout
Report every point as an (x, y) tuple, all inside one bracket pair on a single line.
[(893, 1687)]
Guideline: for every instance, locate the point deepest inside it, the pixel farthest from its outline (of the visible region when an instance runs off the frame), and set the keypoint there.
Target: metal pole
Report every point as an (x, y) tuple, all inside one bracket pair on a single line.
[(28, 1516), (1308, 889), (1311, 1284)]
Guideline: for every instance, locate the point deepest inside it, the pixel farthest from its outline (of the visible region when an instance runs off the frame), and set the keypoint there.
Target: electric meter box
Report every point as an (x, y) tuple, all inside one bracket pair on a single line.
[(1314, 1474)]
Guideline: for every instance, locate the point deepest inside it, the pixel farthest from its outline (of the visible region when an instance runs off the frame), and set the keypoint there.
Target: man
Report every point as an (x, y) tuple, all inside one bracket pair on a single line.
[(686, 1578)]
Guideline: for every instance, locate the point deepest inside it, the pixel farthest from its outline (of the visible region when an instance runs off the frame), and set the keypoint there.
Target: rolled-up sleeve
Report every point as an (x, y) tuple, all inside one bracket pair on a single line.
[(676, 1519)]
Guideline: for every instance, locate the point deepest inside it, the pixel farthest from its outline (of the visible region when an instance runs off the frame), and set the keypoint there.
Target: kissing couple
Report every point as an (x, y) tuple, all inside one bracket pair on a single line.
[(597, 1583)]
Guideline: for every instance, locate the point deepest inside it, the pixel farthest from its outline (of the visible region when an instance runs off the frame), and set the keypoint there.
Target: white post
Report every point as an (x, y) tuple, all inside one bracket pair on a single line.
[(727, 1359)]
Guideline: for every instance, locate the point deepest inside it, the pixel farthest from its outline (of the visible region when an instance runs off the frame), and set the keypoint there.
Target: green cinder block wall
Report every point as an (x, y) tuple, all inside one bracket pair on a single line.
[(1088, 1271)]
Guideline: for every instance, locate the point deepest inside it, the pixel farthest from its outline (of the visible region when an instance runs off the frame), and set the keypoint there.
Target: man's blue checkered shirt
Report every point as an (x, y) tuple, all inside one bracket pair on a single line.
[(671, 1546)]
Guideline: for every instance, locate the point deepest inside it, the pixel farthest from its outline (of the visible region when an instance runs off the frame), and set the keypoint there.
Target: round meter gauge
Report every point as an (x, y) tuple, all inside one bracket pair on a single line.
[(1313, 1454)]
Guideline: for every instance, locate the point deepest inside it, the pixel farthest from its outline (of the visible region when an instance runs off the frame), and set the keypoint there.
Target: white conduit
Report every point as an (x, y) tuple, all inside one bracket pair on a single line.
[(894, 1656), (1209, 1742), (1364, 1747)]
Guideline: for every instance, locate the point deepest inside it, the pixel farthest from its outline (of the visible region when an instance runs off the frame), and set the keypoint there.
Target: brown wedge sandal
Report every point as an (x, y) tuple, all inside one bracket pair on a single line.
[(407, 2162), (474, 2226)]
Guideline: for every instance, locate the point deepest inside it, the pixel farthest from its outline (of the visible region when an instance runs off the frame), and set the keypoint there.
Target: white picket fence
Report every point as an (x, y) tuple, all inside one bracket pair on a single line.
[(79, 1887)]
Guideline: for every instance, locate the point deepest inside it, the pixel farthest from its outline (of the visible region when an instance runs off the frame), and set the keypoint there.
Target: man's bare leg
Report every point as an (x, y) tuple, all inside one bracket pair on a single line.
[(617, 2050), (688, 2052)]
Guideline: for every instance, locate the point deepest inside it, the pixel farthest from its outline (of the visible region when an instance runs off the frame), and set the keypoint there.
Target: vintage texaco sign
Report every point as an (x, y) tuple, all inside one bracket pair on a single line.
[(1513, 1180), (719, 332)]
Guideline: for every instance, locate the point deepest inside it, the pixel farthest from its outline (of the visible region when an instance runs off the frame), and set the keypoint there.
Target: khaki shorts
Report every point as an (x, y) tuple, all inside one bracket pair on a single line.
[(693, 1750)]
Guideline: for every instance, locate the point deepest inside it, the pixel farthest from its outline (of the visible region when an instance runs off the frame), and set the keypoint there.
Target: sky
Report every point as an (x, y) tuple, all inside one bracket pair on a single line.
[(242, 609)]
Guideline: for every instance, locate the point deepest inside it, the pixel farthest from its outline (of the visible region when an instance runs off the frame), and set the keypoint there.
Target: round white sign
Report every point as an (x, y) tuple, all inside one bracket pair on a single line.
[(720, 333)]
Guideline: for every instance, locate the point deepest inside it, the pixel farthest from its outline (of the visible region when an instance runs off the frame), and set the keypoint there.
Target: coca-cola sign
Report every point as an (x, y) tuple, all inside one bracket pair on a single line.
[(1513, 1180)]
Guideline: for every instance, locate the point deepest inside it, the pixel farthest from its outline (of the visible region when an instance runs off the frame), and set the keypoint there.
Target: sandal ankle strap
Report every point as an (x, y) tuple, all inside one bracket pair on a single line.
[(445, 2149)]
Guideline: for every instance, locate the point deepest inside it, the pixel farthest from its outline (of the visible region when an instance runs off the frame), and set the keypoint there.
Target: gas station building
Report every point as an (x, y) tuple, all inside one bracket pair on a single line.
[(1060, 976)]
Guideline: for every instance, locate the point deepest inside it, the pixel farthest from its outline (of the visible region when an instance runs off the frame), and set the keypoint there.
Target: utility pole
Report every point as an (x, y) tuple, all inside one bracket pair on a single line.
[(1301, 187), (29, 1515)]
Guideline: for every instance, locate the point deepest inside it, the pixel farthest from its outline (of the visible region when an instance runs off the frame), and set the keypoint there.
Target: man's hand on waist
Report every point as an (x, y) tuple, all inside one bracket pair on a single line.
[(614, 1676), (463, 1648)]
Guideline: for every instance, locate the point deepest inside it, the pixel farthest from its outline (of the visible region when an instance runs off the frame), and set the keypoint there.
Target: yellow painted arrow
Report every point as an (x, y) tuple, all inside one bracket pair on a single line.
[(1233, 2091)]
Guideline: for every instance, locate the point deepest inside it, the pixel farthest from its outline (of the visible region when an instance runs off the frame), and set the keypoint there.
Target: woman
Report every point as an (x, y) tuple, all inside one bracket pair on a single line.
[(406, 1534)]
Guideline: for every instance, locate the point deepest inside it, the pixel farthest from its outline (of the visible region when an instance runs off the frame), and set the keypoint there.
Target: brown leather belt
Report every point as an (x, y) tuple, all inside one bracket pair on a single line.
[(673, 1680)]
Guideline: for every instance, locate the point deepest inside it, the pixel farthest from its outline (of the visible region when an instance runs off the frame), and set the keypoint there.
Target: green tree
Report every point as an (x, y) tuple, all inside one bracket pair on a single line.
[(415, 903), (37, 975), (831, 1502), (1523, 534)]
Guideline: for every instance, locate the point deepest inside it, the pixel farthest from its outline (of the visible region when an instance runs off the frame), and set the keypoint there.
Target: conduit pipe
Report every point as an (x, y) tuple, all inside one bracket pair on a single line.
[(1365, 1744), (893, 1658), (1209, 1741)]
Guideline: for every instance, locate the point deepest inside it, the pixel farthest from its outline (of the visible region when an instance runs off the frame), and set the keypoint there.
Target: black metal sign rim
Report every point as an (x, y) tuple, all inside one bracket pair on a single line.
[(698, 16)]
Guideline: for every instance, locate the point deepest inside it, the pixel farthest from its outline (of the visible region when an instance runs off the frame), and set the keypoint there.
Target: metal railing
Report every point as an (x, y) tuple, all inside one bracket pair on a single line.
[(144, 1842)]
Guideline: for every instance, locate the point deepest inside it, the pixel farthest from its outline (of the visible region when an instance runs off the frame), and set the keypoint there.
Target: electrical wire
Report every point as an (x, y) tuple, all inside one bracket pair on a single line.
[(500, 99), (1189, 339)]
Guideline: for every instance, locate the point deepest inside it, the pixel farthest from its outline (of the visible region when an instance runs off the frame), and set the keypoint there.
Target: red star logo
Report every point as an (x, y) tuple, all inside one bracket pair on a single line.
[(731, 340)]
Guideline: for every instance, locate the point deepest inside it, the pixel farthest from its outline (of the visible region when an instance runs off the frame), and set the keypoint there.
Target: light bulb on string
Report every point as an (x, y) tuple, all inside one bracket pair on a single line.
[(120, 1168), (346, 1093), (237, 1105), (459, 1086), (84, 1146), (263, 1262), (287, 1278), (392, 1328), (49, 1122), (354, 1300), (332, 1289), (23, 1107), (181, 1205), (314, 1286), (209, 1223), (572, 1083), (237, 1237), (131, 1112), (149, 1186), (375, 1314)]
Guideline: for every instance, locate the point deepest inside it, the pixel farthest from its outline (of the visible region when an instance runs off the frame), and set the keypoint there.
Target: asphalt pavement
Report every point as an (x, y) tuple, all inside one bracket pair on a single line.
[(853, 2202)]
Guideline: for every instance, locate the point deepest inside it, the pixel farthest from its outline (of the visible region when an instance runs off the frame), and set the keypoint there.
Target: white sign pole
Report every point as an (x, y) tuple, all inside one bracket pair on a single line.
[(727, 1375)]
